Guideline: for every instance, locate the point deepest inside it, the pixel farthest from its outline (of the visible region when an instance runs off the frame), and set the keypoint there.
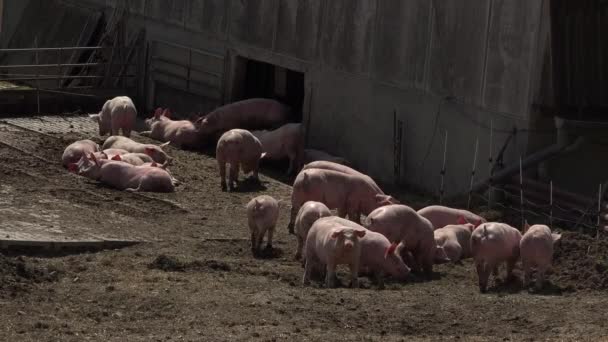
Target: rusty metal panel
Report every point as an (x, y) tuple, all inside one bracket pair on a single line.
[(401, 41), (512, 36), (253, 22), (298, 27), (207, 15), (458, 48), (170, 11), (347, 34)]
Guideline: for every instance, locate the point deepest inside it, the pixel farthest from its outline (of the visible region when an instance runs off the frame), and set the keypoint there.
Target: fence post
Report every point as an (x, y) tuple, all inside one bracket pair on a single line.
[(490, 164), (37, 74), (599, 210), (442, 173), (473, 172), (189, 69)]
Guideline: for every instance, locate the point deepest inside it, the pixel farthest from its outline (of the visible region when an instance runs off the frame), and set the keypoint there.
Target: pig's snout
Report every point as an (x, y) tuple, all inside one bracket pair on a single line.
[(348, 245)]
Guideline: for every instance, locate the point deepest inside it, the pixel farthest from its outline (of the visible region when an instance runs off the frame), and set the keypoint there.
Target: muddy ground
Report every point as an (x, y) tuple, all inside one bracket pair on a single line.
[(194, 278)]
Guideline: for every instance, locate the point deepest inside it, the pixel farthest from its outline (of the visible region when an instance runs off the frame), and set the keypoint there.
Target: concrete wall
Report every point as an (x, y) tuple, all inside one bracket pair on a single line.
[(366, 59)]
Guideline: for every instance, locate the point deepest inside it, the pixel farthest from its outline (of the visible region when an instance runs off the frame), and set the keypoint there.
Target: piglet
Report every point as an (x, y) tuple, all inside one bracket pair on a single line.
[(155, 152), (441, 216), (492, 244), (116, 114), (453, 242), (76, 150), (283, 142), (380, 257), (310, 212), (333, 241), (181, 133), (262, 216), (536, 250), (237, 147)]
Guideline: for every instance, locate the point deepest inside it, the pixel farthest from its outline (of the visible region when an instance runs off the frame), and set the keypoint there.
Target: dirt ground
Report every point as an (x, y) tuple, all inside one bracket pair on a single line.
[(194, 278)]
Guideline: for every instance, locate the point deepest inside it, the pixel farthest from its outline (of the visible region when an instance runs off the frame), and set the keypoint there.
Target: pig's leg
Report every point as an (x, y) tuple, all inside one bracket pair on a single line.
[(294, 212), (527, 272), (330, 275), (540, 276), (483, 273), (380, 280), (354, 273), (308, 267), (298, 254), (252, 228), (222, 166), (256, 167), (291, 165), (115, 127), (269, 242), (145, 133), (233, 177), (510, 266)]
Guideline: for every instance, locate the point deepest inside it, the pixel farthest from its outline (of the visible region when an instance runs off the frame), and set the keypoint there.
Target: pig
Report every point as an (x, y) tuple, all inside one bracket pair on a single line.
[(349, 194), (492, 244), (333, 241), (380, 257), (307, 215), (76, 150), (155, 152), (328, 165), (453, 242), (262, 216), (536, 250), (237, 147), (135, 159), (413, 233), (283, 142), (116, 114), (441, 216), (255, 113), (181, 133), (123, 176), (310, 155), (110, 153)]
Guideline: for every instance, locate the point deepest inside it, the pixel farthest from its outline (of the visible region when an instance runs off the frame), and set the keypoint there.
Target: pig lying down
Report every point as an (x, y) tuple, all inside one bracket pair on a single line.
[(536, 250), (124, 176), (492, 244), (155, 152), (308, 214), (262, 216), (116, 114), (181, 133), (441, 216), (77, 150), (239, 148), (333, 241)]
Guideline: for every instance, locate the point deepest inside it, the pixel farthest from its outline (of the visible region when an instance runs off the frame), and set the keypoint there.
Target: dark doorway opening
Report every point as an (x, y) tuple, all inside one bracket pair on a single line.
[(260, 79)]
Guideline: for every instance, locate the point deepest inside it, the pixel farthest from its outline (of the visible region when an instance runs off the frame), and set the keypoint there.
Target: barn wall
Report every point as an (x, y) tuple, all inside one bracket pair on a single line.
[(449, 65)]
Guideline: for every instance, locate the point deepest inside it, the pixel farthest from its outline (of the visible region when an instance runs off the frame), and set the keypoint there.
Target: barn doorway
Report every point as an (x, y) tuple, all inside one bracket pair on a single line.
[(259, 79)]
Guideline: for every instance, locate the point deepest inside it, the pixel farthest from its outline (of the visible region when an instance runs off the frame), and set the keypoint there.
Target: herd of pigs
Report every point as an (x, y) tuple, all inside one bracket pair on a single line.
[(393, 240)]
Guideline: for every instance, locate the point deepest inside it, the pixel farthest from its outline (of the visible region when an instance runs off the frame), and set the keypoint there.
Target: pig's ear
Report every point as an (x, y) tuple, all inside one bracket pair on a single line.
[(148, 150), (336, 233), (390, 249), (556, 237), (461, 220), (117, 157), (72, 167), (440, 256), (154, 164), (158, 112), (360, 233), (164, 144)]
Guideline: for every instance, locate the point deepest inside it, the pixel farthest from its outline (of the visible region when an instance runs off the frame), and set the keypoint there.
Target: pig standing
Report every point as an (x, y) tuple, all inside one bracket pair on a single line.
[(536, 250), (414, 233), (333, 241), (350, 194), (181, 133), (441, 216), (256, 113), (328, 165), (454, 242), (262, 215), (155, 152), (311, 155), (76, 150), (283, 142), (117, 113), (310, 212), (492, 244), (123, 176), (237, 147), (380, 257)]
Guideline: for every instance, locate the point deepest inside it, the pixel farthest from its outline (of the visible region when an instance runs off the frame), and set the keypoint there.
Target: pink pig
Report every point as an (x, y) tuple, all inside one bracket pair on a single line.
[(283, 142), (350, 194), (453, 242), (332, 241), (76, 150), (256, 113), (492, 244), (536, 250), (414, 233), (380, 257), (117, 113), (180, 133), (123, 176), (328, 165), (237, 147), (155, 152), (262, 216), (310, 212), (441, 216)]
